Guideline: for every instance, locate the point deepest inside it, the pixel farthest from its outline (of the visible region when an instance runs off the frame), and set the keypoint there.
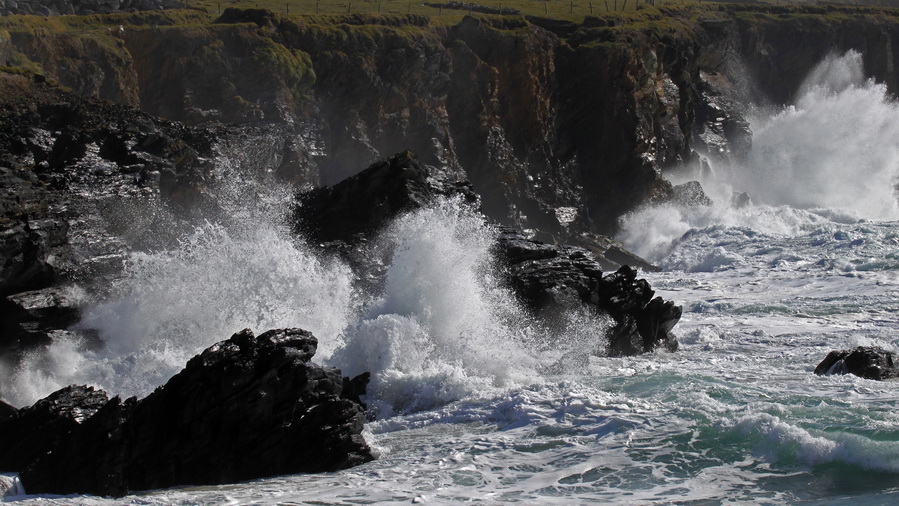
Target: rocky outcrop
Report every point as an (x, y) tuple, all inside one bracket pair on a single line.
[(73, 175), (865, 361), (245, 408), (83, 182), (549, 279), (32, 318), (642, 323), (360, 205)]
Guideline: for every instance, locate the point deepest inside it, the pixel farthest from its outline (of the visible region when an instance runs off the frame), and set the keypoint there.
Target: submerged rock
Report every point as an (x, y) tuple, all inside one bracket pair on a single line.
[(245, 408), (865, 361)]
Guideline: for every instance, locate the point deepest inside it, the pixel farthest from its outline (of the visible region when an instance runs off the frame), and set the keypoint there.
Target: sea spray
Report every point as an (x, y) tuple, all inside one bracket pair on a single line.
[(444, 328), (830, 157), (172, 304)]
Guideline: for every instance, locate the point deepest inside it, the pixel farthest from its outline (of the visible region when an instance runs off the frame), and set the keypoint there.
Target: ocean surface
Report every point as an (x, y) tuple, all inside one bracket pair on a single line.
[(476, 403)]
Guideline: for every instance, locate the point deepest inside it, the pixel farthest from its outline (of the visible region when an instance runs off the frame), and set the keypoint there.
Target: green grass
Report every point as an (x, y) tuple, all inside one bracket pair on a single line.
[(560, 9)]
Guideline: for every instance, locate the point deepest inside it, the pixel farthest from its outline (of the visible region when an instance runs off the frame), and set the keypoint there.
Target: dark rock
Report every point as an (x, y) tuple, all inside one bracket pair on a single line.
[(619, 257), (547, 278), (34, 432), (244, 408), (641, 322), (6, 411), (360, 205), (31, 317), (864, 361)]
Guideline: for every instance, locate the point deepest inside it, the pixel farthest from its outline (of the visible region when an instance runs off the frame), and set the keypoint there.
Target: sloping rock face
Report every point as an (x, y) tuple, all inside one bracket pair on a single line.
[(245, 408), (864, 361), (549, 279), (81, 181), (360, 205)]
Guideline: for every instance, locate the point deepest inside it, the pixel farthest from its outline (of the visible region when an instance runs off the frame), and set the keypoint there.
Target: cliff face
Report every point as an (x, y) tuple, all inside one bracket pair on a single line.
[(561, 127)]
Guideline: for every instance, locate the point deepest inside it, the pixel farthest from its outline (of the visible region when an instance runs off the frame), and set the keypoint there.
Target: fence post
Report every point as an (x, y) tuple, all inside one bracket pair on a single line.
[(571, 7), (545, 7)]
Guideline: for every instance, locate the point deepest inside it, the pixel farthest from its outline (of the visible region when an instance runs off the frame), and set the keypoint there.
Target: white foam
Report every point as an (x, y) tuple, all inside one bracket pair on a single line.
[(443, 328), (782, 441), (172, 304), (829, 158)]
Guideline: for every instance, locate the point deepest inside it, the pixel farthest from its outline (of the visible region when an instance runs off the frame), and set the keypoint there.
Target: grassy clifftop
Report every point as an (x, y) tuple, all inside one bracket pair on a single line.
[(541, 110)]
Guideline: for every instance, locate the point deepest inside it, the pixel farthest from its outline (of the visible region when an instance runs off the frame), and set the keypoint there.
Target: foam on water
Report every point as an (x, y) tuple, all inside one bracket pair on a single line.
[(831, 158), (477, 403), (445, 328)]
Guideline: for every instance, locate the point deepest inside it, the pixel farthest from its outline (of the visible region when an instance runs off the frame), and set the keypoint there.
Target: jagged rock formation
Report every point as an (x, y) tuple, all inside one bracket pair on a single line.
[(547, 278), (360, 205), (865, 361), (77, 179), (560, 127), (83, 7), (83, 182), (244, 408), (550, 278)]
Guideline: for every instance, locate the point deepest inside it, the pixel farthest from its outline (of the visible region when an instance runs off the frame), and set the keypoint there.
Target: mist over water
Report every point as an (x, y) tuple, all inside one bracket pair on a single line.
[(442, 329), (832, 157)]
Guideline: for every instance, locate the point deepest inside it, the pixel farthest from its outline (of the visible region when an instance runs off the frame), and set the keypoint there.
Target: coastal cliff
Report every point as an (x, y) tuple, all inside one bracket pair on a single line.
[(561, 126)]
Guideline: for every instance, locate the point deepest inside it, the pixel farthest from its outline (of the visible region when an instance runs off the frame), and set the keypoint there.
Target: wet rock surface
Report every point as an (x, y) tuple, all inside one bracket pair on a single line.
[(865, 361), (360, 205), (547, 278), (32, 318), (550, 278), (244, 408), (70, 168)]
